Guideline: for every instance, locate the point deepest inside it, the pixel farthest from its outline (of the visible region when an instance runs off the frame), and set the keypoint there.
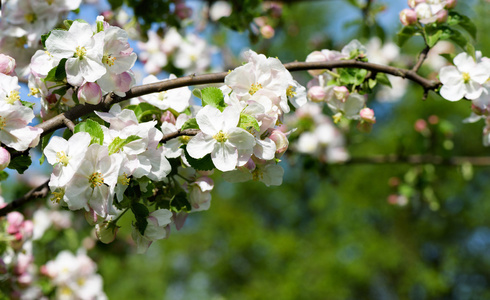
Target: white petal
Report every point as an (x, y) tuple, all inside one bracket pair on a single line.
[(200, 145), (224, 156)]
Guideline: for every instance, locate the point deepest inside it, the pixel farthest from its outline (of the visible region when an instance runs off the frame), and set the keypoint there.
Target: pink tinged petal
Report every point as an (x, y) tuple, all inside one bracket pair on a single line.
[(163, 216), (200, 145), (453, 92), (153, 231), (210, 120), (450, 75), (224, 156)]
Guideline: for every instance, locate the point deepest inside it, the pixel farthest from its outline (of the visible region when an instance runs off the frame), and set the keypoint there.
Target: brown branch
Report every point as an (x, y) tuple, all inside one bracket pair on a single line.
[(38, 192), (188, 132), (421, 59), (81, 110)]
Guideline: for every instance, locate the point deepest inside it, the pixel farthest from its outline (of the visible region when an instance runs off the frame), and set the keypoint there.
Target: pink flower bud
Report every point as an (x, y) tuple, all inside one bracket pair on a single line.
[(4, 158), (250, 165), (314, 57), (420, 125), (408, 17), (267, 31), (7, 65), (179, 219), (90, 93), (281, 141), (168, 117), (367, 115), (317, 93), (14, 220), (24, 280), (441, 16), (275, 10), (413, 3), (450, 4), (433, 119), (183, 11), (27, 228), (341, 93), (91, 217), (106, 232)]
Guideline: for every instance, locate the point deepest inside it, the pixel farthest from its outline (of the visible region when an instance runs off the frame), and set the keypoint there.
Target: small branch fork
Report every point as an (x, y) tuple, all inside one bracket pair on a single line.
[(66, 119)]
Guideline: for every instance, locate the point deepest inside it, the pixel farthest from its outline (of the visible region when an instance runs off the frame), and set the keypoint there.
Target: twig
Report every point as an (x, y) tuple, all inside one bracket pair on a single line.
[(68, 123), (421, 59), (38, 192), (188, 132)]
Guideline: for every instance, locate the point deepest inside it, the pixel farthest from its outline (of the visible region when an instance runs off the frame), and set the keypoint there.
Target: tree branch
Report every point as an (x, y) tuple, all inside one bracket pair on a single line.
[(81, 110), (38, 192)]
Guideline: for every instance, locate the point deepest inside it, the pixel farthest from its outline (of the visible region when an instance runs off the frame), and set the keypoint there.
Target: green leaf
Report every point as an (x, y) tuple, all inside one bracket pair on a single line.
[(44, 142), (100, 26), (27, 104), (213, 96), (197, 93), (405, 34), (67, 23), (141, 214), (3, 175), (93, 128), (470, 49), (383, 79), (202, 164), (372, 83), (248, 122), (190, 124), (432, 39), (58, 73), (448, 56), (352, 76), (464, 22), (20, 163), (144, 109), (180, 203), (118, 143), (44, 37)]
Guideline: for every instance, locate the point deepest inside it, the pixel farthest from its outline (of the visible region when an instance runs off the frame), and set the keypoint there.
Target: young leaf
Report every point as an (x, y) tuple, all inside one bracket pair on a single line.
[(202, 164), (214, 97), (383, 79), (180, 203), (455, 18), (405, 34), (248, 122), (93, 128), (190, 124), (118, 143)]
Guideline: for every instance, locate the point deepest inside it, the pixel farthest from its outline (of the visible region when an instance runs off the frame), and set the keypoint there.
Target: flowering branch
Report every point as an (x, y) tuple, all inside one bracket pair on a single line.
[(81, 110), (38, 192)]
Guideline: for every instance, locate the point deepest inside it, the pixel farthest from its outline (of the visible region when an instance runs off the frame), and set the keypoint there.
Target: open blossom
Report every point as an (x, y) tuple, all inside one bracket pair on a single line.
[(9, 89), (83, 50), (156, 229), (465, 79), (14, 132), (220, 136), (176, 99)]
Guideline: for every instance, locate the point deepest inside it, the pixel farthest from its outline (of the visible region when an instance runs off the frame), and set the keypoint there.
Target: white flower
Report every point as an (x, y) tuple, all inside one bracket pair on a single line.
[(83, 50), (176, 99), (465, 79), (155, 230), (66, 156), (220, 136), (14, 132), (9, 89)]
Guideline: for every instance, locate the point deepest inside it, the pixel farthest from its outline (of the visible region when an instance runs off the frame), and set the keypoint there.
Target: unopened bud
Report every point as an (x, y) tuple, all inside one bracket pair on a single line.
[(168, 117), (450, 4), (367, 115), (106, 232), (4, 158), (420, 125), (281, 141), (408, 17), (365, 127), (267, 31), (433, 119), (250, 165), (317, 94), (89, 93), (477, 110), (7, 64), (183, 11), (341, 93), (441, 16)]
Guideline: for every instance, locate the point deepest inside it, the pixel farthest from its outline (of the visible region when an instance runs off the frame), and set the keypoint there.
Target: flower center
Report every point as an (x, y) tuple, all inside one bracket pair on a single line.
[(50, 1), (20, 42), (13, 96), (257, 174), (57, 195), (34, 91), (290, 92), (30, 18), (3, 123), (254, 88), (62, 158), (220, 137), (466, 77), (80, 52), (96, 179), (184, 139), (108, 60), (123, 179), (162, 95)]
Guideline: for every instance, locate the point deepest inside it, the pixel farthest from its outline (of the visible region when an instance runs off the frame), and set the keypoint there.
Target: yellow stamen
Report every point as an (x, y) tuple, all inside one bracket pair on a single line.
[(80, 52), (62, 158), (337, 118), (254, 88), (13, 96), (30, 18), (257, 174), (220, 137), (123, 179), (2, 122), (34, 91), (466, 77), (108, 60), (184, 139), (96, 179), (57, 195), (290, 92)]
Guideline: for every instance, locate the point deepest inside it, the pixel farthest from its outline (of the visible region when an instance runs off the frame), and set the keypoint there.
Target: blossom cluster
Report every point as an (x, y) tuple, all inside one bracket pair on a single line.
[(80, 65), (426, 11), (190, 53), (343, 98)]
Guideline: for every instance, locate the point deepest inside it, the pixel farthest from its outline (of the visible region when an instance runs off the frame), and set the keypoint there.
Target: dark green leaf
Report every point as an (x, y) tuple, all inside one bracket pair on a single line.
[(44, 37), (383, 79), (180, 202), (20, 163), (44, 142), (455, 18), (3, 175), (58, 73), (202, 164), (141, 214)]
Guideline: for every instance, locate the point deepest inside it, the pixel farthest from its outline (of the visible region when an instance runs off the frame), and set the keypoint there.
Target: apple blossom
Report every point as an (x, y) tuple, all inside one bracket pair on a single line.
[(14, 132), (90, 93), (176, 99), (7, 65), (4, 158), (157, 229)]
